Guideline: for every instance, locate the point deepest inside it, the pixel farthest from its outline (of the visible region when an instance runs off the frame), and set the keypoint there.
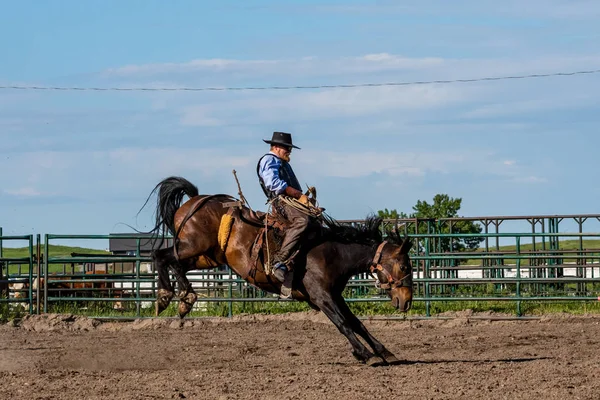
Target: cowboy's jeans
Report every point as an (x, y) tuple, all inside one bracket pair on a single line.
[(293, 234)]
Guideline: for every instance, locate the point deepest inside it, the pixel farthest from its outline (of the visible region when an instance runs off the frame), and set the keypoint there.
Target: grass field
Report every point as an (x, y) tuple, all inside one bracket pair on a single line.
[(54, 251)]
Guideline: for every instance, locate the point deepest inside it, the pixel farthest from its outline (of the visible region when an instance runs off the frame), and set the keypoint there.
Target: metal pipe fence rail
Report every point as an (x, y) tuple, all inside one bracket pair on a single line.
[(125, 286)]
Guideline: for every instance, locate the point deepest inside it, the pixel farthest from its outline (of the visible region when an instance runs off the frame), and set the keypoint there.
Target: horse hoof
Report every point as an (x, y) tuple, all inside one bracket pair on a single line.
[(186, 304), (390, 358), (160, 306), (183, 309), (162, 301), (376, 362), (183, 312)]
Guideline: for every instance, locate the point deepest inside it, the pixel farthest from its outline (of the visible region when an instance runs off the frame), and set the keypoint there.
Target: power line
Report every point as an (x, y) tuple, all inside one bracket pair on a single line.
[(189, 89)]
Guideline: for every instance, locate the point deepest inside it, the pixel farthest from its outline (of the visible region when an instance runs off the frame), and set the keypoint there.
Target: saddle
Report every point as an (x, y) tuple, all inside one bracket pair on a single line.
[(269, 237), (271, 222), (269, 219)]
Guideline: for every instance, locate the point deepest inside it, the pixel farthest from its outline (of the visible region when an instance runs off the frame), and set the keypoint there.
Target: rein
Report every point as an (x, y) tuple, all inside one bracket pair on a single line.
[(310, 210), (390, 283)]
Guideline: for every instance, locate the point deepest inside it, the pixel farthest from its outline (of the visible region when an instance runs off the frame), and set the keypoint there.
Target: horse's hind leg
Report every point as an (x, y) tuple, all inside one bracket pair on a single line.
[(187, 295), (162, 259)]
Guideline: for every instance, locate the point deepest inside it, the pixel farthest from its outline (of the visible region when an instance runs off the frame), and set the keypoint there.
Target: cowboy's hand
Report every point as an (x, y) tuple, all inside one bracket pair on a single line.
[(304, 200)]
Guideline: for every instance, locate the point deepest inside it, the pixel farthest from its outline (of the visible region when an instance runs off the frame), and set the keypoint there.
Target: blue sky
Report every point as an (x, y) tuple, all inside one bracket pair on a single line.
[(84, 162)]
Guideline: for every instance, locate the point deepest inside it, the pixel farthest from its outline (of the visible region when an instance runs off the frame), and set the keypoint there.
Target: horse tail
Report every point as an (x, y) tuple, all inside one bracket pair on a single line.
[(170, 195)]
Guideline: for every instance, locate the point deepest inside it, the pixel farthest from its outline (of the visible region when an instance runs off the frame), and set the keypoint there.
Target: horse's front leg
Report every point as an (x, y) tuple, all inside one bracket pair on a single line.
[(333, 310), (359, 328)]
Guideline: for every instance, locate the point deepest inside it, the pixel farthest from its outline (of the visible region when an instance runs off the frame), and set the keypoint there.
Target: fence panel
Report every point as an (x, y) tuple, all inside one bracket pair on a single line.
[(124, 285)]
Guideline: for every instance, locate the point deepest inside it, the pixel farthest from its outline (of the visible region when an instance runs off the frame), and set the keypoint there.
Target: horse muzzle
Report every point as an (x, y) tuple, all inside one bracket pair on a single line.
[(402, 298)]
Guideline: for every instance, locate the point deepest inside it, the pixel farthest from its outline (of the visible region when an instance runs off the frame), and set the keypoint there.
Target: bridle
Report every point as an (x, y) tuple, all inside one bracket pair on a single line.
[(390, 283)]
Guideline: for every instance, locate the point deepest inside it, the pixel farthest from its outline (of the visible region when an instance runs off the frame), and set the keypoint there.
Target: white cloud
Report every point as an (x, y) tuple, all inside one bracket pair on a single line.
[(395, 67), (542, 9), (160, 162), (193, 65), (128, 170), (307, 66), (23, 191), (398, 163), (529, 179), (85, 173), (355, 165), (562, 9), (539, 102), (325, 104), (189, 66), (150, 163), (221, 108), (513, 171)]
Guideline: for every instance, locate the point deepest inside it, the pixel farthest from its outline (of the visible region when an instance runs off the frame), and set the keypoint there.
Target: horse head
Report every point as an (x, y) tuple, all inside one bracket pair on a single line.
[(393, 268)]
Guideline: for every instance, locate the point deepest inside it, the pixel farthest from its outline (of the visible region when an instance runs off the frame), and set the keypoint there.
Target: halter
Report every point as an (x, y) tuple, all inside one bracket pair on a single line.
[(376, 266)]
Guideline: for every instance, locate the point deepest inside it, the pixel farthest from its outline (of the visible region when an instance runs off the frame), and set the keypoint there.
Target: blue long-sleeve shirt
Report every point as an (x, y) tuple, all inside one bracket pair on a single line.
[(269, 171)]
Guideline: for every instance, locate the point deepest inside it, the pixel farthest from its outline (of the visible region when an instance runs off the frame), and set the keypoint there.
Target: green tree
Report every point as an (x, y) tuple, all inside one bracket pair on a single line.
[(443, 206), (391, 214)]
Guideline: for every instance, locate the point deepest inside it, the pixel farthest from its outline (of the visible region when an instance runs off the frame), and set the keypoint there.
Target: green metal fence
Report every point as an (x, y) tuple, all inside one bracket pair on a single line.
[(125, 286), (533, 274), (16, 273)]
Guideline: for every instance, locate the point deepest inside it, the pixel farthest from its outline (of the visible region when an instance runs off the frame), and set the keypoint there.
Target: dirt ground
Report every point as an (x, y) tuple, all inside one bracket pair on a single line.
[(297, 356)]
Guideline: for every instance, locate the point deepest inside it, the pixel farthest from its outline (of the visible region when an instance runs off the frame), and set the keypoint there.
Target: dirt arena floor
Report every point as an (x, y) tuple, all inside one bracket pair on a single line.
[(297, 356)]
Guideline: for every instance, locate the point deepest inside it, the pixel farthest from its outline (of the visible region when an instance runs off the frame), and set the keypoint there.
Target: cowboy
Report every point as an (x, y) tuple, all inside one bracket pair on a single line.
[(277, 178)]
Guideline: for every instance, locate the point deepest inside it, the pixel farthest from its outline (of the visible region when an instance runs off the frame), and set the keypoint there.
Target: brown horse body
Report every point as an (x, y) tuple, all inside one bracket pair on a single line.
[(328, 258)]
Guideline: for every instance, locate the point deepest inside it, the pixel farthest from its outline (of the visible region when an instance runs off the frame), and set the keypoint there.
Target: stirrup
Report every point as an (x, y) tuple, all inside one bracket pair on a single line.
[(286, 278), (280, 271), (286, 286)]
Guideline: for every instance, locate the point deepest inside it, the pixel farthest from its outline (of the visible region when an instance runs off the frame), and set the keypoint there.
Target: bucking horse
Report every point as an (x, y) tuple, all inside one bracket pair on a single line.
[(218, 229)]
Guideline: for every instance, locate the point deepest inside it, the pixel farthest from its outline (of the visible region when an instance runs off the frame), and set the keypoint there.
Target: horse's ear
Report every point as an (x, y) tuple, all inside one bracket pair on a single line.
[(406, 245)]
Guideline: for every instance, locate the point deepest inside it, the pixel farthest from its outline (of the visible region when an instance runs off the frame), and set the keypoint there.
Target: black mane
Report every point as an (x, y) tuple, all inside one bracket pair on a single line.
[(369, 232), (365, 233)]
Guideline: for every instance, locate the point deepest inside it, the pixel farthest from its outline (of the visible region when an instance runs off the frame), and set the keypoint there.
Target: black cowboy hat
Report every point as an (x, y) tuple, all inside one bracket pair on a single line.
[(281, 138)]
